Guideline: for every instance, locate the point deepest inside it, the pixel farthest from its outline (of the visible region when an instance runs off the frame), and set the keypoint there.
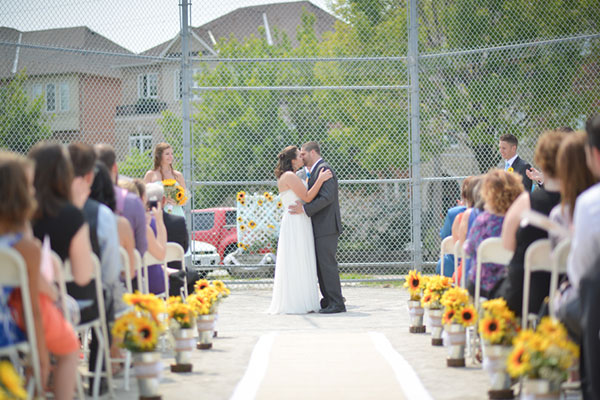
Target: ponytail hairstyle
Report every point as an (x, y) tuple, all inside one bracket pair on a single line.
[(284, 160)]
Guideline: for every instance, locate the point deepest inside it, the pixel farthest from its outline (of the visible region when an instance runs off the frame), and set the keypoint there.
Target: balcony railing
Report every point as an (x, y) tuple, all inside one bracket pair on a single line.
[(142, 107)]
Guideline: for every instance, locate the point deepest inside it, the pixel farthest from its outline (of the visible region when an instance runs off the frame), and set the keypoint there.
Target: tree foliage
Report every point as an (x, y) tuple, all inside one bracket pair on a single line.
[(22, 121)]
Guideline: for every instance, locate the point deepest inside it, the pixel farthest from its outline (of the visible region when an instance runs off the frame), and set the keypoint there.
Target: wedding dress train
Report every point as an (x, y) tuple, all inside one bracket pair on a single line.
[(295, 289)]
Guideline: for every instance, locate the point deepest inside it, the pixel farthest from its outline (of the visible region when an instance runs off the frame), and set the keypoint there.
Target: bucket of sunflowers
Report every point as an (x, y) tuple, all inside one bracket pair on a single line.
[(138, 331), (498, 327), (435, 287), (415, 284), (459, 314), (205, 303), (11, 383), (182, 320), (543, 358)]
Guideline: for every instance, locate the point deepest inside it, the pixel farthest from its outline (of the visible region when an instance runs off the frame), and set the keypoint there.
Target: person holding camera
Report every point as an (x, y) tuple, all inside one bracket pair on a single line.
[(156, 233)]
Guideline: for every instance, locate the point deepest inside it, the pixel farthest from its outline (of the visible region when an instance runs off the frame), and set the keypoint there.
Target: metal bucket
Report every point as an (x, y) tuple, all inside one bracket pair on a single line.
[(435, 324), (415, 311), (184, 345), (206, 326), (148, 371), (454, 340)]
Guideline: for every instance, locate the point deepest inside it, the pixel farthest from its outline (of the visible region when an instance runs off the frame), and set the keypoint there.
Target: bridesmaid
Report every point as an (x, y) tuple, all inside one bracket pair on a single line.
[(163, 169)]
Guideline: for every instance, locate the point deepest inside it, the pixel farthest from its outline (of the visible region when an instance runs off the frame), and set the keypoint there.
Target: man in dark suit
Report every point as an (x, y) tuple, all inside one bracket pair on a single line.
[(324, 211), (177, 232), (512, 162)]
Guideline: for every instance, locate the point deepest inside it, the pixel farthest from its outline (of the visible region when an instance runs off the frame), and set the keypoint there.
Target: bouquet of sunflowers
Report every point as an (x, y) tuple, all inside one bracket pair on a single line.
[(546, 353), (415, 283), (207, 296), (435, 287), (498, 324), (138, 330), (179, 312), (11, 383), (458, 308), (174, 191)]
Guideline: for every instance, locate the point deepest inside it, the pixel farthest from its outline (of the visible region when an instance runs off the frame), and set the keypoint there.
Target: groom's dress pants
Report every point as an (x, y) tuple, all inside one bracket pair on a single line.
[(327, 268)]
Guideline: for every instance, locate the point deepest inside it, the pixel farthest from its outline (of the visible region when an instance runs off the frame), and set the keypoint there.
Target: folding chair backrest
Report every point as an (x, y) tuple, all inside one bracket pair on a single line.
[(141, 286), (447, 247), (147, 260), (66, 276), (14, 274), (537, 258), (489, 251), (126, 268), (560, 255)]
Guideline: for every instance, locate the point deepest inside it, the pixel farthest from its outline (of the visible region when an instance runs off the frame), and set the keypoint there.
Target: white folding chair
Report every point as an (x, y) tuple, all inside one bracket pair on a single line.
[(447, 247), (126, 268), (174, 253), (537, 258), (560, 254), (99, 326), (138, 268), (489, 251), (14, 274)]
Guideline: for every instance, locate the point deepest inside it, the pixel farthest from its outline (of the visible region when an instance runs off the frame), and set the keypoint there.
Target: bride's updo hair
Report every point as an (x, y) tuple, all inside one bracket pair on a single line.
[(284, 160)]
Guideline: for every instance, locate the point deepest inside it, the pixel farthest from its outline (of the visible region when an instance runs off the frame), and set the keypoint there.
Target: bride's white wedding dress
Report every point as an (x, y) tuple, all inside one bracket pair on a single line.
[(295, 289)]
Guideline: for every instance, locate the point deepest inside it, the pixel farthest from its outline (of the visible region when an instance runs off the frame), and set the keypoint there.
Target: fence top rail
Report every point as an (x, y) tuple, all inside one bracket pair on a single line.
[(341, 181), (303, 88)]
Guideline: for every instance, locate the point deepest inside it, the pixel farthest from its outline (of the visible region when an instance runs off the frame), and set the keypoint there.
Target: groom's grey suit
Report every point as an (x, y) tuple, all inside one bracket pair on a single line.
[(324, 211)]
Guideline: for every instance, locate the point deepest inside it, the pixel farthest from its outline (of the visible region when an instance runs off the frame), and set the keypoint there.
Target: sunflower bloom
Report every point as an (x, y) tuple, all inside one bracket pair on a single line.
[(201, 284), (448, 316), (518, 362), (259, 202), (491, 329), (10, 380), (251, 224), (467, 315), (279, 204)]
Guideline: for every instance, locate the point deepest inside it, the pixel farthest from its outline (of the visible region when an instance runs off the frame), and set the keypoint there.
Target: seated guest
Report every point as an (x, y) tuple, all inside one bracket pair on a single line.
[(498, 190), (177, 232), (54, 334), (447, 228), (464, 222), (542, 200), (156, 233)]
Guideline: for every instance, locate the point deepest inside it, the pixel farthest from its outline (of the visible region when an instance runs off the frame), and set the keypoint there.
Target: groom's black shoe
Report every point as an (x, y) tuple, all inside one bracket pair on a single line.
[(324, 302), (333, 309)]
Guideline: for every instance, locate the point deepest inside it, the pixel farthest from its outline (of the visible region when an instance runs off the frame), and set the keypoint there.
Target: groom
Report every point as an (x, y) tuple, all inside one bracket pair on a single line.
[(324, 211)]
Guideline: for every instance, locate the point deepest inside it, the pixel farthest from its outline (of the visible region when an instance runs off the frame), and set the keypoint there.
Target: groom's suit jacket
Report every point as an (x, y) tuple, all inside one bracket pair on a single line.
[(324, 209), (520, 166)]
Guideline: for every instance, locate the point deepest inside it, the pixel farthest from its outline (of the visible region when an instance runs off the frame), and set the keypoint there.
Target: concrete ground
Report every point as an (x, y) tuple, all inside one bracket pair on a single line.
[(242, 321)]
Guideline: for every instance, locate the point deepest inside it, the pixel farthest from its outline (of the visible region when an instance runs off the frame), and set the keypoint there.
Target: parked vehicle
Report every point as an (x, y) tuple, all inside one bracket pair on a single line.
[(204, 256), (216, 226)]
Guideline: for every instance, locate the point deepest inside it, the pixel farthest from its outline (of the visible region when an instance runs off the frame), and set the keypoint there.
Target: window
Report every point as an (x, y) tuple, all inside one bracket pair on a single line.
[(230, 218), (50, 97), (63, 90), (38, 91), (203, 221), (140, 141), (147, 86)]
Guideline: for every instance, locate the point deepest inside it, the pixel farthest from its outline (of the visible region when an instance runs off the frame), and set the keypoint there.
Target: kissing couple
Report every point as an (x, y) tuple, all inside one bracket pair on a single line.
[(308, 236)]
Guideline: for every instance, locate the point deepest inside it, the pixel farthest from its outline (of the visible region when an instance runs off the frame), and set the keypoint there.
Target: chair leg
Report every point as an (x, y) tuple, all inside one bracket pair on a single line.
[(98, 366)]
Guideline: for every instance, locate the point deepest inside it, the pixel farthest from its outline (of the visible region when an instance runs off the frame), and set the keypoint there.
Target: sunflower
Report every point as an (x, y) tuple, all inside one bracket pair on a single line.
[(239, 219), (448, 316), (518, 361), (259, 202), (467, 315), (492, 329), (179, 195), (240, 245), (201, 284), (122, 324), (241, 196), (169, 182), (268, 196), (242, 228), (426, 299), (11, 381), (279, 204), (242, 202), (271, 226), (414, 280), (251, 224), (551, 327), (219, 285), (145, 334)]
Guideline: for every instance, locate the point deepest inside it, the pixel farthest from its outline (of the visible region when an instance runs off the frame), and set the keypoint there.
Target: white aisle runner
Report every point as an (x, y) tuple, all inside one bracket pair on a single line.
[(328, 366)]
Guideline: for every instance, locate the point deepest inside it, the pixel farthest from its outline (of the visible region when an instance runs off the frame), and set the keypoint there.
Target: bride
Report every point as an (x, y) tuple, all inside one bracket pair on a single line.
[(295, 289), (163, 169)]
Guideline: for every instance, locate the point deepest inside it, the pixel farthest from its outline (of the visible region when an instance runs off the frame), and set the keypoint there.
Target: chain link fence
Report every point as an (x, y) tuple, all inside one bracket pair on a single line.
[(270, 75)]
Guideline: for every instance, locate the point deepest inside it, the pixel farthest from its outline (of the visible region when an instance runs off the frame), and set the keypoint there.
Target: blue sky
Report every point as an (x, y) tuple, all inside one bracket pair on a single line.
[(134, 24)]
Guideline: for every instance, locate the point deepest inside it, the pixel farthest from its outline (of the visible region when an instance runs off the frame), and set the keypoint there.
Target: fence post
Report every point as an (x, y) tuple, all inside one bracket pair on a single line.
[(415, 141), (185, 104)]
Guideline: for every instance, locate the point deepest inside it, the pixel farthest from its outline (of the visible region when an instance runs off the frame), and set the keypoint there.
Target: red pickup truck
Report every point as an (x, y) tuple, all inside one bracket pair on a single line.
[(216, 226)]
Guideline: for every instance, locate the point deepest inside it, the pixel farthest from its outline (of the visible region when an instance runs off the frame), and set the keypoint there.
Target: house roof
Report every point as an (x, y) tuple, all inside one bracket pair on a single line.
[(245, 21), (44, 62)]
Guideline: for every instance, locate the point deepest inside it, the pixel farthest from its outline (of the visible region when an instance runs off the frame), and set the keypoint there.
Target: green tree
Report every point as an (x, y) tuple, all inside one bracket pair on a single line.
[(22, 121)]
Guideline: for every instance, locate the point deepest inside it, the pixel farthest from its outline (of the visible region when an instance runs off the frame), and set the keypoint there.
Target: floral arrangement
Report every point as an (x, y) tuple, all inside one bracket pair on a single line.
[(11, 383), (458, 308), (435, 287), (138, 330), (415, 283), (174, 191), (498, 324), (207, 296), (179, 312), (258, 218), (546, 353)]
